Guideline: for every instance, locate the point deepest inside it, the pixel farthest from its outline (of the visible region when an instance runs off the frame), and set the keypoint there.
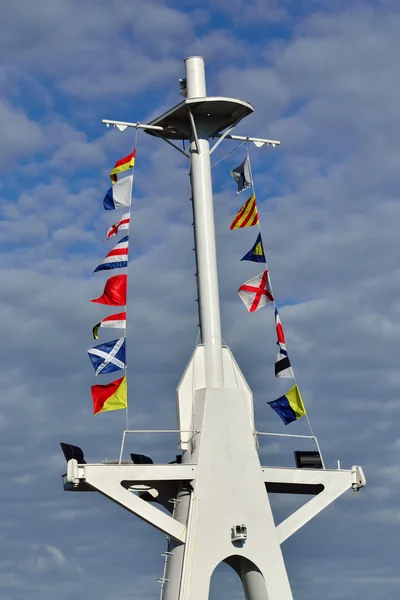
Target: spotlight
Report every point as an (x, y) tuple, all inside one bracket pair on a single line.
[(308, 459), (71, 451), (141, 459), (182, 85)]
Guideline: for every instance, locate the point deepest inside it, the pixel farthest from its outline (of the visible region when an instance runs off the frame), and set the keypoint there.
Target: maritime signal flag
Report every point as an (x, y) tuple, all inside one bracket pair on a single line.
[(289, 407), (120, 194), (283, 367), (123, 164), (114, 293), (117, 258), (116, 321), (108, 357), (256, 292), (111, 396), (279, 331), (247, 215), (242, 175), (123, 223), (256, 254)]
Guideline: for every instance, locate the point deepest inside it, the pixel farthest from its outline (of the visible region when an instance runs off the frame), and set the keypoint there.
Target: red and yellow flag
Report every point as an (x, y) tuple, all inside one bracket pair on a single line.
[(123, 164), (247, 215), (111, 396)]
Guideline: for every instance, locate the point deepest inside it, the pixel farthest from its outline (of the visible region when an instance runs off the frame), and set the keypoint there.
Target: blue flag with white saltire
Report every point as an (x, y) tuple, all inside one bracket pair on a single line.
[(108, 357), (256, 254)]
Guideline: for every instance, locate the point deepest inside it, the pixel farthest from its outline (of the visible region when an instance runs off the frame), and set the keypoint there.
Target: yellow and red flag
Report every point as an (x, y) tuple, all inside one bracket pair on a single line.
[(247, 215), (111, 396), (123, 164)]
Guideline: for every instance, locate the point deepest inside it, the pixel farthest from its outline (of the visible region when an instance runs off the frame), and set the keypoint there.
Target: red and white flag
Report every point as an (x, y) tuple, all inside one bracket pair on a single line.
[(279, 331), (123, 223), (283, 368), (116, 321), (117, 258), (256, 292)]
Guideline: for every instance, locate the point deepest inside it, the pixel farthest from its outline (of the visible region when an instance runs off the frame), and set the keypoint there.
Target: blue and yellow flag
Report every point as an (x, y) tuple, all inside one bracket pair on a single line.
[(256, 254), (289, 407)]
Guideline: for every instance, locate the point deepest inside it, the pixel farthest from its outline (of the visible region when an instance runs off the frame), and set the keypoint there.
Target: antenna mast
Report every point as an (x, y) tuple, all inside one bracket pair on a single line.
[(218, 497)]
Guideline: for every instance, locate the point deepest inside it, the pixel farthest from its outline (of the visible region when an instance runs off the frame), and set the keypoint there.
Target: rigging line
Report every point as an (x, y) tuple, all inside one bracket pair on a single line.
[(226, 155), (127, 288), (274, 303), (151, 139)]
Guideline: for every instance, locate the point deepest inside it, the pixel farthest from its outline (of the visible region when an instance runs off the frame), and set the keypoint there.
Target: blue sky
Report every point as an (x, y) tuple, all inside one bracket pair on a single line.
[(323, 77)]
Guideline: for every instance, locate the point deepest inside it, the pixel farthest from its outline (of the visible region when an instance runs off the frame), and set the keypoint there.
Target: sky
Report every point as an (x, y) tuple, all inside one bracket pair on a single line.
[(323, 77)]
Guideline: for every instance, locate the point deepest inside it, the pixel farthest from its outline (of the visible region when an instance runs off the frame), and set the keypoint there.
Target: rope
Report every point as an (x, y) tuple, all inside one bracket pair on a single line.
[(151, 139), (275, 306), (126, 305), (226, 155)]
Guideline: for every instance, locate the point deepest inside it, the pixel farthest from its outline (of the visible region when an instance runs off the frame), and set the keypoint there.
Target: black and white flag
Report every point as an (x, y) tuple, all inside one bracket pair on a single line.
[(242, 175)]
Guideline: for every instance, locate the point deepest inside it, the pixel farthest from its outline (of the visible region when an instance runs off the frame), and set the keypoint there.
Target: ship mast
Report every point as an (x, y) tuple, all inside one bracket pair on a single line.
[(210, 320), (218, 496)]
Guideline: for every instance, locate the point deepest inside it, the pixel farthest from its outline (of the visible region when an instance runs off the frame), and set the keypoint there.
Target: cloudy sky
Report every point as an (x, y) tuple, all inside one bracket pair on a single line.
[(323, 77)]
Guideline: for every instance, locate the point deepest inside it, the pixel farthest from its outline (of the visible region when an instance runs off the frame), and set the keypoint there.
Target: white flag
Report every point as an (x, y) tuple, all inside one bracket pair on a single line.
[(256, 292)]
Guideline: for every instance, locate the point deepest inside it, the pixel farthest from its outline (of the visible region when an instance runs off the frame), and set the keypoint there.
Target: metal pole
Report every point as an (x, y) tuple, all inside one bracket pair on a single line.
[(205, 231)]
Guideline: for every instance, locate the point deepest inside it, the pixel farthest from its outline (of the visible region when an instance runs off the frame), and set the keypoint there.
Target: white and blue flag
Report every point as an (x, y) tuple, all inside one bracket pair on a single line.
[(108, 357), (120, 194)]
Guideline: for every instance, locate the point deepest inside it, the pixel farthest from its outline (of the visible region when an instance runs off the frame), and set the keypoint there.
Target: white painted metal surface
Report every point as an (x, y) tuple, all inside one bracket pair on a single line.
[(194, 379), (205, 232), (220, 487)]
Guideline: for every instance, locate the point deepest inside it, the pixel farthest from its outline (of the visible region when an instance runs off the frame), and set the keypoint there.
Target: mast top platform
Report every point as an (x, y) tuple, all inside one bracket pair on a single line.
[(215, 112)]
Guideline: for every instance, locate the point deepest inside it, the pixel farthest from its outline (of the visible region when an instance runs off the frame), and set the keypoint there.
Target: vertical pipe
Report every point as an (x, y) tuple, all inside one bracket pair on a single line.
[(253, 582), (205, 231)]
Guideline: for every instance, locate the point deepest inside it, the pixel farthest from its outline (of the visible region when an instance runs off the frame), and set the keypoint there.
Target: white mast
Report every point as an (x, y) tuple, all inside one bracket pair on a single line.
[(210, 320), (218, 496)]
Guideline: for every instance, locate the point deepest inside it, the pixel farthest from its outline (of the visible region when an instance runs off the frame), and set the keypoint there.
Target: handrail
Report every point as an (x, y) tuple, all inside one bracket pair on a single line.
[(126, 431)]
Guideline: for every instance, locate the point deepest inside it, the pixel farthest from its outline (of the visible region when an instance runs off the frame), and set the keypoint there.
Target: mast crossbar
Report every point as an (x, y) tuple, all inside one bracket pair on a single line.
[(240, 138)]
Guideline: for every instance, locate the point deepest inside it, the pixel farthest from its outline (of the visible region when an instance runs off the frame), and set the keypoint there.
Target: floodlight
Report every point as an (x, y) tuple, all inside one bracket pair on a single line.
[(71, 451), (306, 459), (141, 459), (182, 85)]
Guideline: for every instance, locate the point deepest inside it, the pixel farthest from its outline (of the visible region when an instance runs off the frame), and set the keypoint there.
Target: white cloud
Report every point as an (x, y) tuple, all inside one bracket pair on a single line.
[(19, 135)]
